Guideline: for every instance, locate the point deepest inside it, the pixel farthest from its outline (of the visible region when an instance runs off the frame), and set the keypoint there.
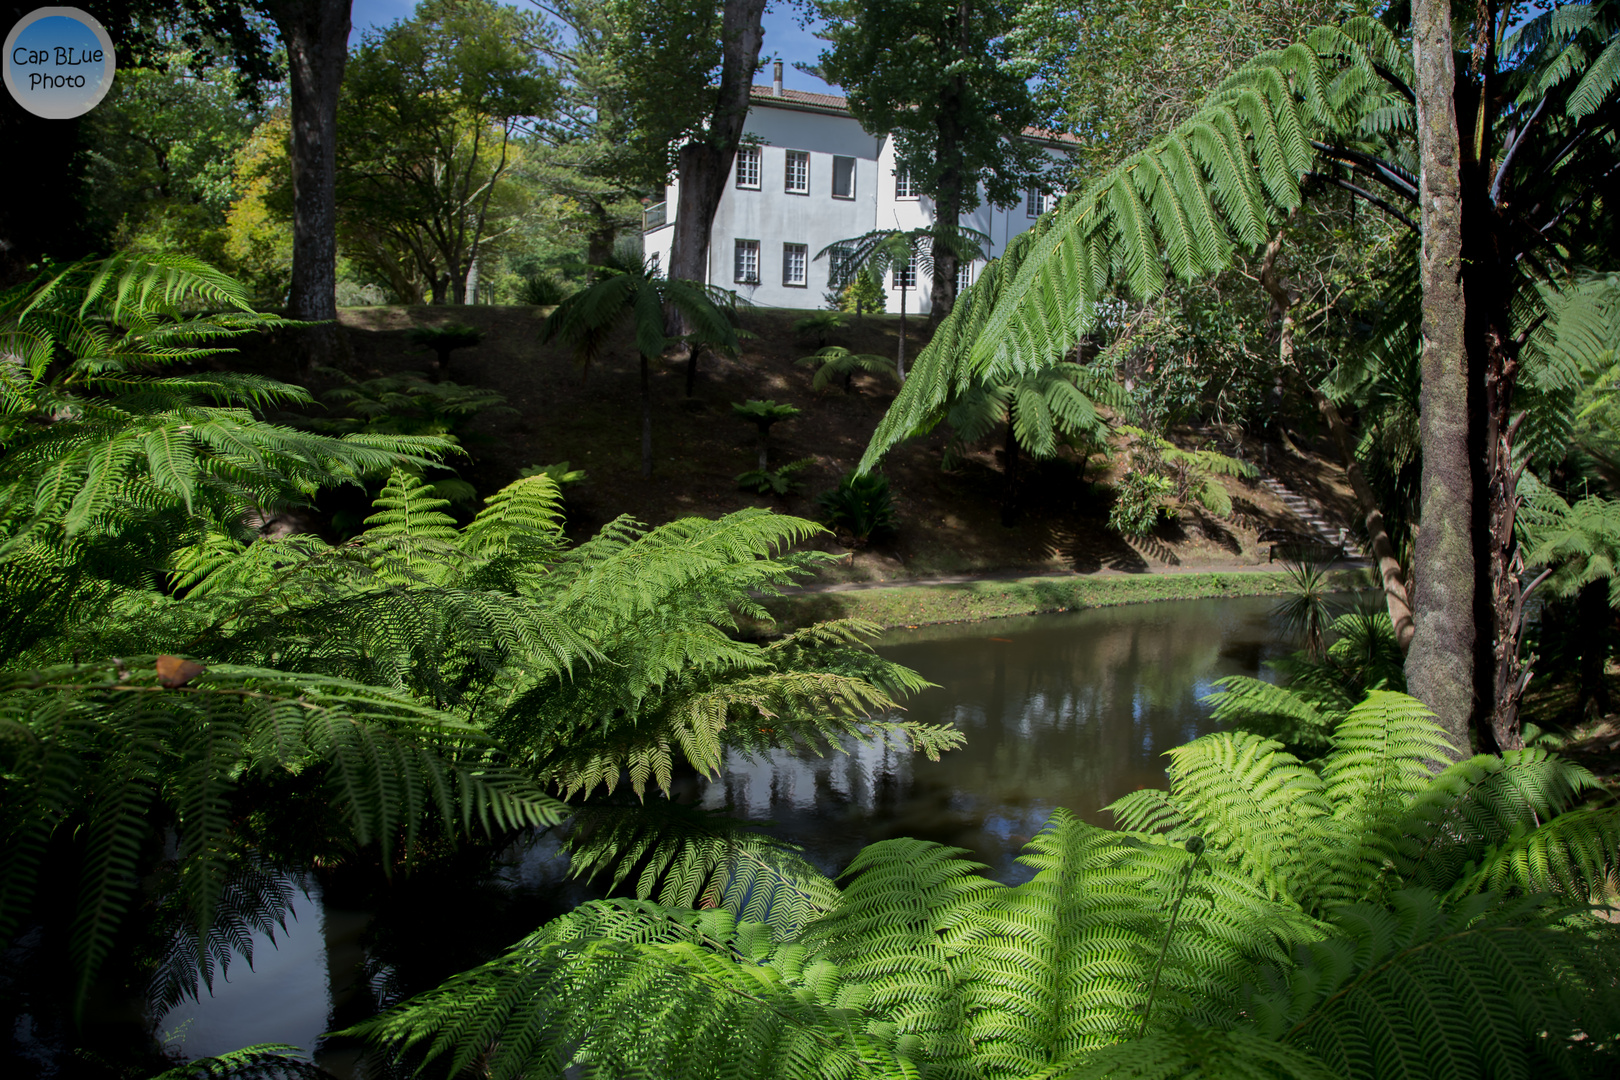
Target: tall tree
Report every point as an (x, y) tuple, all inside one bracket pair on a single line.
[(1440, 664), (430, 111), (688, 74), (315, 34), (1535, 161), (939, 78)]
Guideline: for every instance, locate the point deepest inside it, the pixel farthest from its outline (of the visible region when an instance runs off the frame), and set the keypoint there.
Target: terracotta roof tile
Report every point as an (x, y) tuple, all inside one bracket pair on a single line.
[(803, 97)]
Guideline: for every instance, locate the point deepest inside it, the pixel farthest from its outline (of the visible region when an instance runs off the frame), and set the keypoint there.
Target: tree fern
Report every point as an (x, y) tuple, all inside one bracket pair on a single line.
[(921, 967)]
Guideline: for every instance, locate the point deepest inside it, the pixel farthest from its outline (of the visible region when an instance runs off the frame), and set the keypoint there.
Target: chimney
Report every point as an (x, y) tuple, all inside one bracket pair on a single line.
[(776, 80)]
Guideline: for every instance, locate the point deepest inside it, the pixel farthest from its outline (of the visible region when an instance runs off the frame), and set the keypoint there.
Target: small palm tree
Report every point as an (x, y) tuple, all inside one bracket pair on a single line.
[(762, 414), (444, 340), (837, 362), (639, 295), (873, 254)]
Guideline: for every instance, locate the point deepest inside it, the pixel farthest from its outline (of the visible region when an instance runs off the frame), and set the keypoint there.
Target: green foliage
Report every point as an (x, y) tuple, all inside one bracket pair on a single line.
[(441, 341), (542, 290), (1307, 612), (763, 414), (819, 325), (1164, 476), (426, 147), (1052, 404), (781, 481), (637, 296), (418, 683), (405, 405), (860, 506), (1328, 921), (1180, 207), (1139, 496), (837, 363), (861, 295), (267, 1061), (559, 474), (943, 80), (1316, 692)]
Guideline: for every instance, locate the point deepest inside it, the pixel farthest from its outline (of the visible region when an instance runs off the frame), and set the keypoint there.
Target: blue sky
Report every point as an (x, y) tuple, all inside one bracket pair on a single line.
[(783, 38)]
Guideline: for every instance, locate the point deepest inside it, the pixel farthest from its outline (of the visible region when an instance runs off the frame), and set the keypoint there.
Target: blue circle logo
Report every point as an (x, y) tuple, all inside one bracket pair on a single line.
[(58, 62)]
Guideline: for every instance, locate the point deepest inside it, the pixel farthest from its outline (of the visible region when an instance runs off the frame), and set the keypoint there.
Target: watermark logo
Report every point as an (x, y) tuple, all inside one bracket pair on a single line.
[(58, 62)]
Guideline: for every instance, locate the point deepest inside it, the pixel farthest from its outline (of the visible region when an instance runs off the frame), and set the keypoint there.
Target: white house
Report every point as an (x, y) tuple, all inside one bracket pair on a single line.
[(807, 176)]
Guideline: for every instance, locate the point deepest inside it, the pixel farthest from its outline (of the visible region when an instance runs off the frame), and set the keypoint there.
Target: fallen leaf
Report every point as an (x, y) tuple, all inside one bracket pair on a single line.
[(174, 672)]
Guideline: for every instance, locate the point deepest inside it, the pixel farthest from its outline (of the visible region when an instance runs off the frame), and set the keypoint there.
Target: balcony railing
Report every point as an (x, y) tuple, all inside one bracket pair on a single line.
[(655, 216)]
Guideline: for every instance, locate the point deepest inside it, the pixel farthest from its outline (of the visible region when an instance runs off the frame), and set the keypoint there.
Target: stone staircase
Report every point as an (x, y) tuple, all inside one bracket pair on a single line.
[(1316, 526)]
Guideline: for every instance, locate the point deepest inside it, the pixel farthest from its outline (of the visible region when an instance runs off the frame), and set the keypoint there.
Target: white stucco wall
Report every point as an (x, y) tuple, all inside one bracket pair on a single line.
[(774, 217)]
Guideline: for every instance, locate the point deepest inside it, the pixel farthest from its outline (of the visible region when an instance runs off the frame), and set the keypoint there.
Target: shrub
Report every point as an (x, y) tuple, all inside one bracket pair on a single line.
[(1138, 498), (773, 481), (864, 292), (819, 325), (860, 507), (542, 290)]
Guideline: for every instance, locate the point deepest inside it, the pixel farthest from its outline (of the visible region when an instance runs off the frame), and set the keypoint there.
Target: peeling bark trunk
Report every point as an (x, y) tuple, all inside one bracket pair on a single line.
[(316, 36), (1396, 601), (704, 164), (1441, 662)]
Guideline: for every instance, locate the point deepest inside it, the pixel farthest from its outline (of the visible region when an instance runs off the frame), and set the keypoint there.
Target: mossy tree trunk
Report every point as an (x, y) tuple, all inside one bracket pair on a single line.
[(1440, 666), (646, 416)]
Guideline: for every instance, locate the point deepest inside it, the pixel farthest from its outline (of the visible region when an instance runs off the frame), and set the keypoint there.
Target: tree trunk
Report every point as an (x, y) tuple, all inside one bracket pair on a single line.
[(764, 449), (1009, 465), (900, 362), (1396, 600), (1440, 664), (948, 197), (691, 367), (316, 36), (646, 416), (704, 164)]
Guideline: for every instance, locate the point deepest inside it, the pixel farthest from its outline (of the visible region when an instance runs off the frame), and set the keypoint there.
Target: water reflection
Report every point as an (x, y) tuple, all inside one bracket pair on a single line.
[(1069, 710), (1066, 710)]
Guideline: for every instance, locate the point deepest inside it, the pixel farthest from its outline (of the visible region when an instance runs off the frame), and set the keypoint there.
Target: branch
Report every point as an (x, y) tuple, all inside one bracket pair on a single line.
[(1382, 204), (1507, 158)]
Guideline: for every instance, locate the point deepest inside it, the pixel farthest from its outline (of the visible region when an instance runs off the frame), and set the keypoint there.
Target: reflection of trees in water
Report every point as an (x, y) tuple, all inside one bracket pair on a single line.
[(1072, 712)]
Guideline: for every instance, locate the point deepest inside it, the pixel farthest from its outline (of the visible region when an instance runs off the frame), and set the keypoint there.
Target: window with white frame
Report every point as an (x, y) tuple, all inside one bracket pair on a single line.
[(964, 275), (748, 166), (903, 187), (843, 178), (747, 262), (838, 269), (1034, 203), (798, 172), (656, 269), (905, 274), (795, 264)]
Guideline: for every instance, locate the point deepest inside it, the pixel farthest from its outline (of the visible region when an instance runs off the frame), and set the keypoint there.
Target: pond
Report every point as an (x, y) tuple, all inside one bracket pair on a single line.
[(1071, 710)]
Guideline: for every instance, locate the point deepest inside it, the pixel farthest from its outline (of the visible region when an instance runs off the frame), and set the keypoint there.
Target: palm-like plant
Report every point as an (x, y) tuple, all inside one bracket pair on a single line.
[(639, 296), (837, 362), (763, 415), (1362, 917), (873, 254)]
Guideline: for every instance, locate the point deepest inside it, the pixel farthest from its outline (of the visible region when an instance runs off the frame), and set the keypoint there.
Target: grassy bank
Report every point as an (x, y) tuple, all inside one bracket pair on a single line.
[(920, 605)]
